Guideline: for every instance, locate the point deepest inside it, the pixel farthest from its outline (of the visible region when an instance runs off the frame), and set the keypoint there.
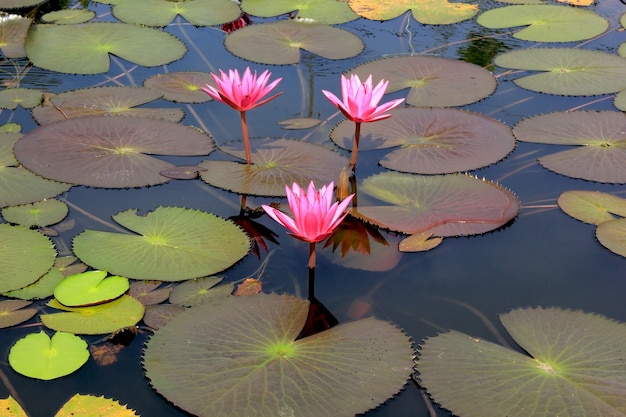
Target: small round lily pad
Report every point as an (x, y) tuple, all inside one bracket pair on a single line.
[(88, 288)]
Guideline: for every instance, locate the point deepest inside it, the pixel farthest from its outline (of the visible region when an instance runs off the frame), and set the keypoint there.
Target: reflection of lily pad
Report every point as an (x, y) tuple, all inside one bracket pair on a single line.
[(432, 141), (599, 137), (13, 30), (12, 312), (162, 12), (430, 12), (40, 213), (182, 87), (170, 244), (322, 11), (246, 347), (575, 365), (592, 206), (108, 152), (548, 23), (433, 81), (86, 47), (10, 98), (276, 163), (87, 288), (280, 42), (612, 235)]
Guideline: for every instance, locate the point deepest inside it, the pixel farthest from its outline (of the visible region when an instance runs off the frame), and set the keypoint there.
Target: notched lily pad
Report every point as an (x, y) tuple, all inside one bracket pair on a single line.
[(200, 291), (83, 405), (592, 206), (13, 312), (612, 235), (13, 30), (148, 292), (88, 288), (181, 87), (329, 12), (162, 12), (299, 123), (28, 98), (68, 16), (429, 12), (41, 213)]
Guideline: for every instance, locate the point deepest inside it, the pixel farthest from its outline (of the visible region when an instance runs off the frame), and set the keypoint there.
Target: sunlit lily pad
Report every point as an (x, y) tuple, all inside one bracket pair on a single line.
[(40, 289), (419, 242), (40, 213), (102, 151), (417, 203), (99, 319), (168, 244), (280, 42), (245, 347), (573, 364), (148, 292), (162, 12), (620, 98), (432, 141), (13, 30), (86, 47), (433, 81), (599, 137), (40, 356), (276, 163), (12, 312), (103, 101), (92, 406), (322, 11), (592, 206), (200, 291), (10, 98), (612, 235), (16, 4), (11, 408), (430, 12), (567, 71), (182, 87), (547, 22), (68, 16), (87, 288)]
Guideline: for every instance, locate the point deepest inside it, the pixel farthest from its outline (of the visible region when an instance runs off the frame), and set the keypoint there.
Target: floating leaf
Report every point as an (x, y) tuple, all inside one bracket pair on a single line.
[(567, 71), (12, 312), (245, 347), (419, 242), (547, 22), (40, 213), (612, 235), (9, 128), (200, 291), (429, 12), (40, 289), (39, 356), (99, 319), (25, 256), (16, 4), (170, 244), (329, 12), (108, 152), (162, 12), (249, 286), (10, 98), (159, 315), (86, 47), (88, 288), (148, 292), (280, 42), (92, 406), (574, 366), (600, 139), (68, 16), (11, 408), (433, 81), (432, 141), (182, 87), (276, 163), (182, 172), (620, 98), (299, 123), (13, 30), (592, 206)]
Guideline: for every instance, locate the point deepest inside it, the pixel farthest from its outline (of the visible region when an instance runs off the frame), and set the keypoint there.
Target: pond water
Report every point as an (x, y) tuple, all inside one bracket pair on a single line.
[(542, 258)]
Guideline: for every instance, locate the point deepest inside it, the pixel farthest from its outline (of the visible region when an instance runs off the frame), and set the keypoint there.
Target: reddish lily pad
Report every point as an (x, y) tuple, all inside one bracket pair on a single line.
[(13, 30), (200, 291), (182, 87), (432, 141), (182, 172), (108, 152), (433, 81), (430, 12), (12, 312), (592, 207), (148, 292), (157, 316), (599, 137)]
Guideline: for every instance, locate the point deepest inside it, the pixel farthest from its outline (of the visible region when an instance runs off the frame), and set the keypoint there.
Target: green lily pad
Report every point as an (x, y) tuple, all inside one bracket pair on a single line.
[(110, 152), (40, 289), (280, 42), (433, 81), (431, 141), (9, 128), (182, 87), (573, 364), (200, 291), (162, 12), (592, 206), (16, 4), (547, 22), (13, 30), (599, 137), (10, 98), (299, 123), (428, 12), (329, 12), (68, 16), (245, 347), (40, 356), (88, 288), (612, 235), (170, 244), (12, 312), (276, 163), (25, 256), (99, 319), (86, 47), (40, 214), (148, 292), (567, 71)]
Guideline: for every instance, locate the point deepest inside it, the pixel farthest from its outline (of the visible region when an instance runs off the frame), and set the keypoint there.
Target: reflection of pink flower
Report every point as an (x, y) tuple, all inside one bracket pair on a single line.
[(360, 99), (315, 216), (242, 92), (244, 20)]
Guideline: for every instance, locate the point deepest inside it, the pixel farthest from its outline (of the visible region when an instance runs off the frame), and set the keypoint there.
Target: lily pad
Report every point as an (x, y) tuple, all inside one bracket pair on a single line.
[(12, 312), (200, 291), (169, 244), (433, 81), (88, 288), (592, 206), (40, 213), (276, 163), (10, 98), (148, 292), (428, 12), (246, 347), (92, 406), (547, 22), (102, 151), (13, 30), (99, 319), (182, 87), (25, 256), (567, 71), (573, 364), (432, 141), (599, 137), (16, 4), (86, 47), (620, 98), (159, 315), (11, 407), (162, 12), (40, 289), (419, 242), (40, 356), (612, 235), (280, 42), (299, 123), (68, 16), (329, 12)]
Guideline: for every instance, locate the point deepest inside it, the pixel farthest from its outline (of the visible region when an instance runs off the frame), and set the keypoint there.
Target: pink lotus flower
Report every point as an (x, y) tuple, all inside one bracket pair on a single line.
[(315, 216), (242, 93)]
